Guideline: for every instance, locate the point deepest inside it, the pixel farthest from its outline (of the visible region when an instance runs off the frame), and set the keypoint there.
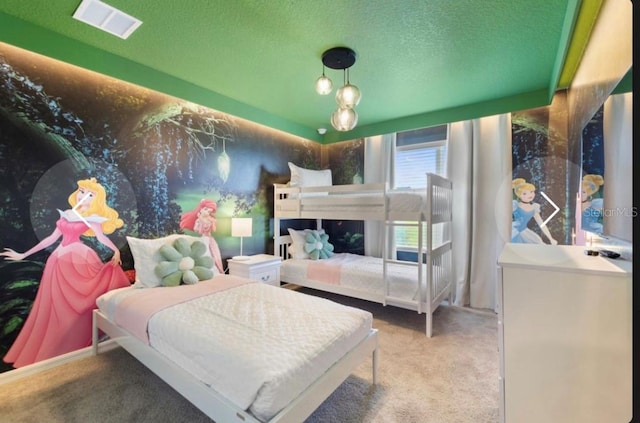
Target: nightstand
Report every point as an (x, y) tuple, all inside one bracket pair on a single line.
[(260, 267)]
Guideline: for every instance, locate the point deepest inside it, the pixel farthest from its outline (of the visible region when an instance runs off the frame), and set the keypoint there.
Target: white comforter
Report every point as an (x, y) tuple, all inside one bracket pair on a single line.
[(257, 345), (363, 273)]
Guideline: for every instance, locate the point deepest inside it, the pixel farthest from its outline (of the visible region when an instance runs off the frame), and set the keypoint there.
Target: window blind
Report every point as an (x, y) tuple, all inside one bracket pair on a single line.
[(418, 152)]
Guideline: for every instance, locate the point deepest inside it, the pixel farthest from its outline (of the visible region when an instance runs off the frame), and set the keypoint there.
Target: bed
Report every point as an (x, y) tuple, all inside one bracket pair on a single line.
[(238, 349), (421, 286)]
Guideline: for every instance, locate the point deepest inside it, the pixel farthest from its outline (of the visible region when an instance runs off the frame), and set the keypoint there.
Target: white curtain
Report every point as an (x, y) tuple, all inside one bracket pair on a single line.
[(479, 165), (618, 166), (379, 159)]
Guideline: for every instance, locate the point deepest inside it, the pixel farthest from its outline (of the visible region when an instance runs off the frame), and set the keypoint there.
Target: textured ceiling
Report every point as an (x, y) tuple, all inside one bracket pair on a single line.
[(419, 62)]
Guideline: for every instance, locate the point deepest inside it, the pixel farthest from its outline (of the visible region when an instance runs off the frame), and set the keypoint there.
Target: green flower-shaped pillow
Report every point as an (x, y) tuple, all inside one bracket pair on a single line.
[(317, 245), (184, 263)]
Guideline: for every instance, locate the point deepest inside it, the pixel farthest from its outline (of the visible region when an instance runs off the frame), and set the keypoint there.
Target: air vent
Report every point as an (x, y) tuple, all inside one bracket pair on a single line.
[(106, 18)]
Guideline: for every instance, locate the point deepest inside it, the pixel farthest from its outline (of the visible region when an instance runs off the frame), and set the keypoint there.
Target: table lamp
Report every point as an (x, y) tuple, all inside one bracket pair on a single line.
[(241, 226)]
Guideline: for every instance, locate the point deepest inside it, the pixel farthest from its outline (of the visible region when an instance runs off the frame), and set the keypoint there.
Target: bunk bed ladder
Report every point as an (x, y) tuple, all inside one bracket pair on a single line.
[(421, 286), (429, 270), (385, 252), (429, 276)]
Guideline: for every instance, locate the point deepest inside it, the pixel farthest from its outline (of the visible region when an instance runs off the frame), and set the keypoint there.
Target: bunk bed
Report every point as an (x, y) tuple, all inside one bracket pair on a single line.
[(240, 350), (419, 286)]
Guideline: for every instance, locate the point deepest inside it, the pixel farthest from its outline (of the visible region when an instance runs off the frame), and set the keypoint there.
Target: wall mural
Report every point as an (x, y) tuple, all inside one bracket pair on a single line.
[(541, 211), (80, 150), (590, 198), (346, 159), (73, 277), (202, 220)]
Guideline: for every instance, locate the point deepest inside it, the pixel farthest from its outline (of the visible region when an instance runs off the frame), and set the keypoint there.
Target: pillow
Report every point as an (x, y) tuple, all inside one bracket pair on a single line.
[(296, 249), (317, 245), (146, 255), (184, 262), (298, 239), (301, 177)]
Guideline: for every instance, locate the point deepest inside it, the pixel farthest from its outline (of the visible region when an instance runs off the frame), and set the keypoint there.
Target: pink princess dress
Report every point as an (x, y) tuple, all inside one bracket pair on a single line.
[(60, 319)]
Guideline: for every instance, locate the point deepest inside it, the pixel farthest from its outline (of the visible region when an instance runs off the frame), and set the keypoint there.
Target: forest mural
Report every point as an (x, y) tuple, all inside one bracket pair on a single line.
[(591, 193), (71, 139), (540, 165), (557, 181)]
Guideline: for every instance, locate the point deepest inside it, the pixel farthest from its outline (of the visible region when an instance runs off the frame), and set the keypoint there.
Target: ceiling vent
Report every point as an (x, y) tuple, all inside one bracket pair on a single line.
[(106, 18)]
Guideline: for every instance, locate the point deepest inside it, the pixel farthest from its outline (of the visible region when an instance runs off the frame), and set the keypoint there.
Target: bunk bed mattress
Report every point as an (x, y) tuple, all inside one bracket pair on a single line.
[(407, 201), (363, 273), (257, 345), (399, 200)]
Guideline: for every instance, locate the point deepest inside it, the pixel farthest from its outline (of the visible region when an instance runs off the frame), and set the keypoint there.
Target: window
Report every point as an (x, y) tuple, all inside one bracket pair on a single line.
[(418, 152)]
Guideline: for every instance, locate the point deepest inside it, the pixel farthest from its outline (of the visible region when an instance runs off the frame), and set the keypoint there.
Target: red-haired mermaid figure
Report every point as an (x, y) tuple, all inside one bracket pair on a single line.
[(202, 220), (74, 276)]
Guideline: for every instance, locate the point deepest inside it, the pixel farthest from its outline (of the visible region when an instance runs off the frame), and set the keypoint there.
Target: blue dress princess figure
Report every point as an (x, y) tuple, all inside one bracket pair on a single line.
[(522, 211), (592, 208)]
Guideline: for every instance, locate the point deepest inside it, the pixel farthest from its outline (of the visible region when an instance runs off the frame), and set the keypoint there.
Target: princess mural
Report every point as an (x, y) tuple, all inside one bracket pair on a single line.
[(74, 276), (591, 203), (202, 220), (524, 209)]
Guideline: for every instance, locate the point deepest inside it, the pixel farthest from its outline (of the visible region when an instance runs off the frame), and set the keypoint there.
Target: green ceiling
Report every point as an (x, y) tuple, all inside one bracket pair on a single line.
[(419, 62)]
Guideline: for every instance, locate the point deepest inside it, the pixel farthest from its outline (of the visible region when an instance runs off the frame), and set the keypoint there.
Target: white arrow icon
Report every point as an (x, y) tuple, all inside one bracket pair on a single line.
[(87, 195), (553, 204)]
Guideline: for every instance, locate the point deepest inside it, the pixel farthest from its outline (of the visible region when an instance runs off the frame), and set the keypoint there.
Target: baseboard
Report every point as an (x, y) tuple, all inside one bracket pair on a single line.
[(32, 369)]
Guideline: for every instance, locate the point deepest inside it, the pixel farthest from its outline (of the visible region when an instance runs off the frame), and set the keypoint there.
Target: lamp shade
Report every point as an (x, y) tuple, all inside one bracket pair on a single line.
[(344, 119), (241, 226), (323, 85), (348, 96)]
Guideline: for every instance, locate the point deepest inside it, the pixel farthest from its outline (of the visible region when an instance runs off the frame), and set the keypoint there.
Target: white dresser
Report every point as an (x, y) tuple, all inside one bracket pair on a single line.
[(565, 336), (260, 267)]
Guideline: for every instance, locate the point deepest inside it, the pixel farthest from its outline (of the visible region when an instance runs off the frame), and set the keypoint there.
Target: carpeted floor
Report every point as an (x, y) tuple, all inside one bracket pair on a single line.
[(451, 377)]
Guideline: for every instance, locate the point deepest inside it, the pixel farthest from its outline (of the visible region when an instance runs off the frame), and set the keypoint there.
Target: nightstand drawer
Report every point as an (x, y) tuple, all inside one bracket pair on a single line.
[(263, 268), (270, 276)]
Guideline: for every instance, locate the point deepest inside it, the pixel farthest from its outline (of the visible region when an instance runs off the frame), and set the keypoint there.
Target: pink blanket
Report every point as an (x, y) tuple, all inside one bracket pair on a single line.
[(328, 270), (133, 312)]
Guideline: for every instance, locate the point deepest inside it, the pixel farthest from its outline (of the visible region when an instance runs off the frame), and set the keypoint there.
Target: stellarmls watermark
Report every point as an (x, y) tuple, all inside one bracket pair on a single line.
[(620, 211)]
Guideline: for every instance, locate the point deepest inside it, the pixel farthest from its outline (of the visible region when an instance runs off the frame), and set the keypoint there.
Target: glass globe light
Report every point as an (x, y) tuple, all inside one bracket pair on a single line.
[(344, 119), (348, 96), (323, 85)]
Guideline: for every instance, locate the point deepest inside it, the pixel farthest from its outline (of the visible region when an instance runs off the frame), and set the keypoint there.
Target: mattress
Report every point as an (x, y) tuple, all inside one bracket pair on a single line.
[(258, 345), (407, 200), (362, 273), (397, 200)]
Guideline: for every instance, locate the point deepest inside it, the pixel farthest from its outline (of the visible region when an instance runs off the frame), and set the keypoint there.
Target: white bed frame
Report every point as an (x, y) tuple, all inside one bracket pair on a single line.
[(215, 405), (371, 202)]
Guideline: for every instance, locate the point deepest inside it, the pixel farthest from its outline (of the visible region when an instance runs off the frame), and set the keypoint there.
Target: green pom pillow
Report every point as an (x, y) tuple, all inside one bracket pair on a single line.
[(183, 262), (317, 245)]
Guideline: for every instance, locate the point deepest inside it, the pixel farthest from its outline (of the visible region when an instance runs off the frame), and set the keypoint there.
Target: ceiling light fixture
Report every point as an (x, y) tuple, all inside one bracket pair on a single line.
[(323, 84), (106, 18), (344, 118)]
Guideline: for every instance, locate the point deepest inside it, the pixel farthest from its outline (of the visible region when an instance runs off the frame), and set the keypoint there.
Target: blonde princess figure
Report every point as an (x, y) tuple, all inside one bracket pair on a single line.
[(523, 210), (591, 216), (202, 220), (74, 276)]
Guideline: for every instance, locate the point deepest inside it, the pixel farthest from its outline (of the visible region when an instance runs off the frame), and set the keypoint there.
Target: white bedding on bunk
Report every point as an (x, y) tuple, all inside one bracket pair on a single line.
[(400, 199), (363, 273), (407, 200), (257, 345)]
